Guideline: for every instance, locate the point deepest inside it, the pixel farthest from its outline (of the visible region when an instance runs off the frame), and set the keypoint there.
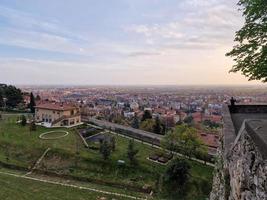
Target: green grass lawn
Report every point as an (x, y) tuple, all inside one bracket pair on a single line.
[(23, 189), (69, 156)]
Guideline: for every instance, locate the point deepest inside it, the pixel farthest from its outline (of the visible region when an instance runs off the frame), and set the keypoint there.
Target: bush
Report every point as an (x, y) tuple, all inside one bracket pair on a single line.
[(32, 126), (23, 120), (177, 175)]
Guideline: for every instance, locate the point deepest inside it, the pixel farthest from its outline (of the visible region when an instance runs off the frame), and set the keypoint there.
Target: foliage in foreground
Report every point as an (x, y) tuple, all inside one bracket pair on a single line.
[(250, 52)]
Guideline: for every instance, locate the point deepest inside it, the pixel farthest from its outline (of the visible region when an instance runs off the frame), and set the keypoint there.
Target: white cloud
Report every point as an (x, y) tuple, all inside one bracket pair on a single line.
[(186, 46), (203, 23)]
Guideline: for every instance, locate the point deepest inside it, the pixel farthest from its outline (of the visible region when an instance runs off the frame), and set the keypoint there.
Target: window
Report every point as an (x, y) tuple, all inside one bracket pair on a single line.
[(72, 121)]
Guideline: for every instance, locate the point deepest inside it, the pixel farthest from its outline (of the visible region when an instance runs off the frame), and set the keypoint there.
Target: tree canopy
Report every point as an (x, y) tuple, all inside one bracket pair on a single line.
[(148, 125), (157, 126), (105, 149), (177, 174), (146, 115), (184, 139), (32, 103), (132, 152), (250, 52), (12, 94)]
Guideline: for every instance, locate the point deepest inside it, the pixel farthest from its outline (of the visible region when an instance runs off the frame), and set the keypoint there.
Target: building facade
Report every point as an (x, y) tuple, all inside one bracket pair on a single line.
[(53, 114)]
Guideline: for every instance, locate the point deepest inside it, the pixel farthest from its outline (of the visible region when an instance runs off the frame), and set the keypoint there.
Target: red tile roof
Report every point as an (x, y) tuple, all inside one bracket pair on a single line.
[(55, 106), (211, 140)]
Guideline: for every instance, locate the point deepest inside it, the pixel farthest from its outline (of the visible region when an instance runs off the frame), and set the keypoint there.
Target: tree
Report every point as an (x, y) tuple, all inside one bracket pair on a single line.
[(157, 126), (170, 141), (250, 52), (184, 139), (32, 103), (113, 143), (148, 125), (23, 120), (32, 126), (1, 100), (135, 123), (211, 124), (146, 115), (189, 120), (132, 152), (177, 174), (12, 94), (105, 149), (38, 98)]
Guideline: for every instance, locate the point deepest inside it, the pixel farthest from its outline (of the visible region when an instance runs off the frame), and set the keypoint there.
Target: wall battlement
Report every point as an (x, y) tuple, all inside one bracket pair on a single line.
[(241, 169)]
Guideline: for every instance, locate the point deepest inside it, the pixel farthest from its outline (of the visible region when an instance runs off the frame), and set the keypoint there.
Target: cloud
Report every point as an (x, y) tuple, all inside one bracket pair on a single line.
[(142, 53), (169, 30), (201, 24), (25, 21), (24, 30), (178, 42)]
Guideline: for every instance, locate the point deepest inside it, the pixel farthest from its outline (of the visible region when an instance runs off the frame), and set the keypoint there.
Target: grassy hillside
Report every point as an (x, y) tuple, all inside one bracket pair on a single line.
[(23, 189), (68, 156)]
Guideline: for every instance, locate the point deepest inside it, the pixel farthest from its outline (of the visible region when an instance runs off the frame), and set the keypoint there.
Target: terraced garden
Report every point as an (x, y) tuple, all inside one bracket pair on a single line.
[(69, 159)]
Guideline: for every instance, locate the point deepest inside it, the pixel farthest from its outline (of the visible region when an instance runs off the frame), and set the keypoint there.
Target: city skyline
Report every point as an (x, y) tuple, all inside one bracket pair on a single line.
[(119, 42)]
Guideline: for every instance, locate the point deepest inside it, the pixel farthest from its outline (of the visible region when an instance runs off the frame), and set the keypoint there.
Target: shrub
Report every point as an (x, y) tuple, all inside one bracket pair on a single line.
[(177, 175), (23, 120)]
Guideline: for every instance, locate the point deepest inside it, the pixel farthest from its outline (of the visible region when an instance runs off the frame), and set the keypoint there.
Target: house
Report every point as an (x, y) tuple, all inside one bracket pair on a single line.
[(211, 141), (54, 114)]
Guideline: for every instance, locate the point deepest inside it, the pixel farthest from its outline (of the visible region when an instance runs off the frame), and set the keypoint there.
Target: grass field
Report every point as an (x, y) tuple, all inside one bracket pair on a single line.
[(23, 189), (20, 147)]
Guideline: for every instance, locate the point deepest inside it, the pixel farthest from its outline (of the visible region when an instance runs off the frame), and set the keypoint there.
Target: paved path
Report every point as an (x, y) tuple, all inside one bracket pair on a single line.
[(72, 186), (109, 125), (158, 147), (38, 162)]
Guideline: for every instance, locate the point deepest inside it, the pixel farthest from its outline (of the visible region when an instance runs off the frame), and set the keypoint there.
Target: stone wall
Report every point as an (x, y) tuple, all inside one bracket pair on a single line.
[(241, 168), (248, 171)]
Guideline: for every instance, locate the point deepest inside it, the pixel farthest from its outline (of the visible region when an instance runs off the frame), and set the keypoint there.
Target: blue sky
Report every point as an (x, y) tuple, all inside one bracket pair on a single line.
[(117, 41)]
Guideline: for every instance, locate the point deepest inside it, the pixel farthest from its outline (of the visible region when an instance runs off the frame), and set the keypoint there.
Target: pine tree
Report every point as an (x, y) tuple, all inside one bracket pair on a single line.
[(32, 103), (113, 143), (157, 126), (23, 120), (135, 123), (105, 149), (132, 152), (32, 126), (146, 115), (1, 100)]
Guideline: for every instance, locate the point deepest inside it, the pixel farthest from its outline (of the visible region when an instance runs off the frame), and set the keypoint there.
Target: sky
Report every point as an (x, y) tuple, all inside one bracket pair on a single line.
[(118, 42)]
